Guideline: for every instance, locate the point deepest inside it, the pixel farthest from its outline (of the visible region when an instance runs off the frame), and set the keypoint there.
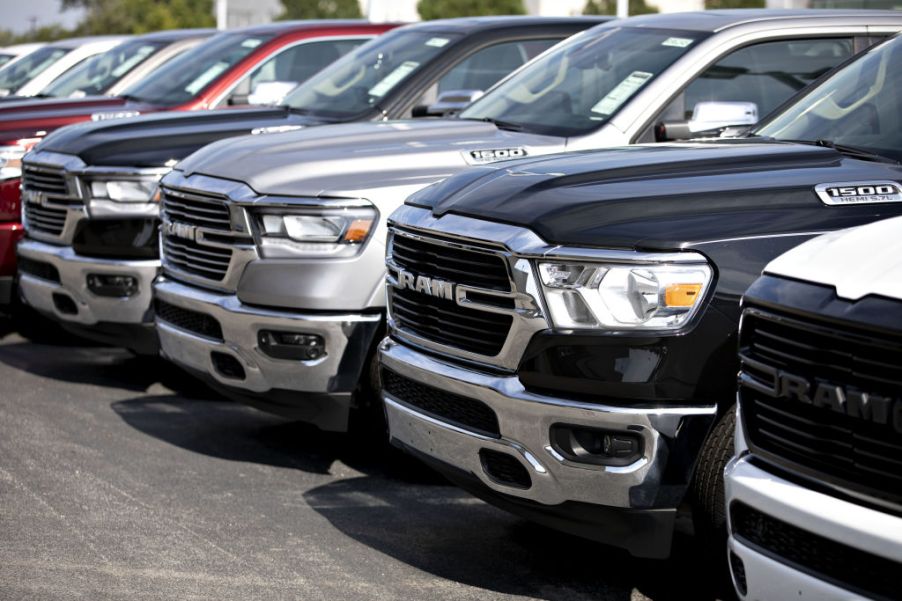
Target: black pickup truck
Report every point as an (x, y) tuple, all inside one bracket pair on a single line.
[(562, 330)]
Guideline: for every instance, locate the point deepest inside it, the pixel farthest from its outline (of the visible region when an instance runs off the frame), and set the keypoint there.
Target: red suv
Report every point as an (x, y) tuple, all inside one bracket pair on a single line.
[(235, 68)]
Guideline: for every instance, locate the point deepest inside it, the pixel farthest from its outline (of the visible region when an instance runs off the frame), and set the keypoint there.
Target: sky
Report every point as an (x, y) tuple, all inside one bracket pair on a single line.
[(15, 15)]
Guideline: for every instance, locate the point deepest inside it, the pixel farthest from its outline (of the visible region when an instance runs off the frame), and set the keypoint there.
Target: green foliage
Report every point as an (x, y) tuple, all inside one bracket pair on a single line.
[(445, 9), (140, 16), (713, 4), (609, 7), (320, 9)]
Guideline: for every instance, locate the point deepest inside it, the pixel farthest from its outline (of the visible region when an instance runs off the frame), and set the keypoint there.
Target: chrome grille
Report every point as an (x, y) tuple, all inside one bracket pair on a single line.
[(45, 219), (205, 261), (196, 209), (48, 181)]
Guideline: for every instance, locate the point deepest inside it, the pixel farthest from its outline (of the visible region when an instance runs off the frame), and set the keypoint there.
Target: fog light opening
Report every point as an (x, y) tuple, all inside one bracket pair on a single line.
[(117, 286), (504, 469), (64, 304), (227, 365), (581, 444), (738, 569), (293, 346)]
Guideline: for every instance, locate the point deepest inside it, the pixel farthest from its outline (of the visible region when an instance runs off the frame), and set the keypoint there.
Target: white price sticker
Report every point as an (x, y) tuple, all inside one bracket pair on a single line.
[(437, 42), (392, 79), (677, 42), (621, 93)]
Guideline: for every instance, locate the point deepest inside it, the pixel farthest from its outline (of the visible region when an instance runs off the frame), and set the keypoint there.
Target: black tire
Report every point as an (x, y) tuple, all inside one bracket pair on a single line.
[(709, 503)]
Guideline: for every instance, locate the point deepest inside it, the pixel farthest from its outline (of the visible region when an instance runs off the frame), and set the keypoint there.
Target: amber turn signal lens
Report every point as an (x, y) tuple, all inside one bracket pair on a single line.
[(682, 295), (358, 230)]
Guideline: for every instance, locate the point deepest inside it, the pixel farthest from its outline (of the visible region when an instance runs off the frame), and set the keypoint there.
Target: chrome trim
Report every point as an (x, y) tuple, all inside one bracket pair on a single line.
[(519, 248), (524, 420)]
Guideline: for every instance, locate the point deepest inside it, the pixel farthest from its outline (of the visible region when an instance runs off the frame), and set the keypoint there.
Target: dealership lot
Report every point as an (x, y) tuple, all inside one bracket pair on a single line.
[(121, 479)]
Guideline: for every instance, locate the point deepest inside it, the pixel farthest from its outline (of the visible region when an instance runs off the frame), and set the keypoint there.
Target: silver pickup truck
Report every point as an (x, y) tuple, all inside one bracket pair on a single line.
[(272, 285)]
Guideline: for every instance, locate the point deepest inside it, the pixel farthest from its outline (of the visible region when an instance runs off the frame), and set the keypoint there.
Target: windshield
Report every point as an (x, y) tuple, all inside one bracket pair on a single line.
[(357, 82), (19, 73), (98, 74), (581, 84), (859, 106), (5, 58), (186, 76)]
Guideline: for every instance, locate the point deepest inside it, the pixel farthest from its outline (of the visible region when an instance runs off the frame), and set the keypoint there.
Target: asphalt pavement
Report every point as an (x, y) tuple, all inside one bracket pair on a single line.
[(121, 478)]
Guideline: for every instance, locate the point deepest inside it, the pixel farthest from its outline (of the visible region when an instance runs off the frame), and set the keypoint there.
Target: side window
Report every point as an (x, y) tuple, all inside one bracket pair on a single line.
[(485, 67), (283, 72), (753, 81)]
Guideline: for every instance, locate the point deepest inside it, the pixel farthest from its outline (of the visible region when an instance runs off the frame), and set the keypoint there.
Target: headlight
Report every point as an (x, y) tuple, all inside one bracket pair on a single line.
[(661, 296), (125, 190), (11, 161), (289, 233)]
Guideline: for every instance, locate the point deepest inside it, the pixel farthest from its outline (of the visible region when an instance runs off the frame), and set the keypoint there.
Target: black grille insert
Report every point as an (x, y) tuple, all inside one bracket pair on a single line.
[(448, 323), (186, 319), (854, 452), (446, 262), (39, 269), (459, 410), (847, 567), (504, 469)]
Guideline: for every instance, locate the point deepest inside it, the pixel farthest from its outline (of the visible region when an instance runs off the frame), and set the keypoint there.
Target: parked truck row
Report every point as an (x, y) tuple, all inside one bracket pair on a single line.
[(534, 246)]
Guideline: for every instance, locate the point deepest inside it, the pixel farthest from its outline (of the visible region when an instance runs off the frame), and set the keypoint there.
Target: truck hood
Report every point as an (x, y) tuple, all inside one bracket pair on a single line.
[(349, 159), (26, 118), (663, 196), (857, 262), (154, 140)]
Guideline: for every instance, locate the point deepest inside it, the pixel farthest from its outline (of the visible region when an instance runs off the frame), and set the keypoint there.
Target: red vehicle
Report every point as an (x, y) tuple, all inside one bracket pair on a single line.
[(235, 68)]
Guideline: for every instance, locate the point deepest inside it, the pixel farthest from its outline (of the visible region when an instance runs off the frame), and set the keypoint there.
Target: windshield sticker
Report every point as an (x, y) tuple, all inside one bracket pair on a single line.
[(677, 42), (437, 42), (206, 77), (139, 56), (859, 193), (392, 79), (251, 43), (621, 93)]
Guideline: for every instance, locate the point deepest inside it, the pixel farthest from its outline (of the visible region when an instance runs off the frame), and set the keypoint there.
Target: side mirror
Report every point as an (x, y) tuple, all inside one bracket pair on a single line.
[(447, 103), (709, 119), (270, 92)]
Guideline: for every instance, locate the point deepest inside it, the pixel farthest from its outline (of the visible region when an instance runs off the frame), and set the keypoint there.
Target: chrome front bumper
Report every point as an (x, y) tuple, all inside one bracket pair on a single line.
[(73, 271), (524, 421), (348, 339)]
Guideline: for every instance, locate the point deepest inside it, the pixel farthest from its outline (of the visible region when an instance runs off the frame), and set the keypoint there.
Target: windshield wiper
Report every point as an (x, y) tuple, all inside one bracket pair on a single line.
[(507, 125), (852, 151)]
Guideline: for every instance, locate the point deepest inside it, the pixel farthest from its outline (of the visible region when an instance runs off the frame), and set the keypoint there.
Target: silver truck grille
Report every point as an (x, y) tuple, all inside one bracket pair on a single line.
[(199, 243), (197, 209), (204, 261), (49, 181), (45, 220)]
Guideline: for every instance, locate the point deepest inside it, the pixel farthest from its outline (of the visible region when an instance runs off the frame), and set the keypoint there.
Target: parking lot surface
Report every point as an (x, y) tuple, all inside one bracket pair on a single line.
[(122, 479)]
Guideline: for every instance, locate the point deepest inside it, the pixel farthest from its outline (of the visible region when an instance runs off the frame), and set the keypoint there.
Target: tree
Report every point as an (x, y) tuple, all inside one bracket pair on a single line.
[(141, 16), (320, 9), (609, 7), (445, 9), (713, 4)]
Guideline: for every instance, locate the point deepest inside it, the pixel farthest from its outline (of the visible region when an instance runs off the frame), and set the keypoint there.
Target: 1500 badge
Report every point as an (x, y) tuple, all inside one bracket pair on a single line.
[(854, 193), (481, 157)]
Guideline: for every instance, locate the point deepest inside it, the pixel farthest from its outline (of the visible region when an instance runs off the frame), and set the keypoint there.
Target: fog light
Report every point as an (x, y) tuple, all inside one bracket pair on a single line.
[(112, 285), (291, 345), (595, 446)]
